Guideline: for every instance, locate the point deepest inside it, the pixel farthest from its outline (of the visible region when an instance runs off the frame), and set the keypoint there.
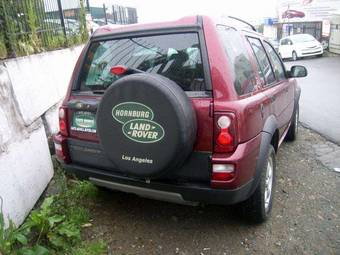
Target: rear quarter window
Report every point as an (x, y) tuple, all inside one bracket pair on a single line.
[(175, 56), (238, 57)]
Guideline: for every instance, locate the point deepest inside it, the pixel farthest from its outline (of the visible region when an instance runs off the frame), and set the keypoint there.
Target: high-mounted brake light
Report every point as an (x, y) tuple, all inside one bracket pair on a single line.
[(118, 70)]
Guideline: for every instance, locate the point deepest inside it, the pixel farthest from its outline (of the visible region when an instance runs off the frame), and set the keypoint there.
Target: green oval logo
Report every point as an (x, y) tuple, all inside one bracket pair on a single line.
[(84, 120), (127, 111), (143, 131)]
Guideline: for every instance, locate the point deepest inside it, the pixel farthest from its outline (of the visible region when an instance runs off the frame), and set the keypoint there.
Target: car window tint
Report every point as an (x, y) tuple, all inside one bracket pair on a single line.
[(175, 56), (263, 61), (277, 64), (237, 55)]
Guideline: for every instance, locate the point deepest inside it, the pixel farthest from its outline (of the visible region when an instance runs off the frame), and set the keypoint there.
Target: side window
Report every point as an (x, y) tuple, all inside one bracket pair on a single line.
[(263, 61), (284, 42), (277, 64), (240, 64)]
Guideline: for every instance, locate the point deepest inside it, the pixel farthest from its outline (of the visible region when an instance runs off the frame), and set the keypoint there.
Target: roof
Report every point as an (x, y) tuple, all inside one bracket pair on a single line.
[(112, 29), (183, 22)]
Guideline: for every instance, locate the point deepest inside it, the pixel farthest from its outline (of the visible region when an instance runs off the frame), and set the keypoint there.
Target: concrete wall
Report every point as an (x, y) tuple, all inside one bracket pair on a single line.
[(31, 88)]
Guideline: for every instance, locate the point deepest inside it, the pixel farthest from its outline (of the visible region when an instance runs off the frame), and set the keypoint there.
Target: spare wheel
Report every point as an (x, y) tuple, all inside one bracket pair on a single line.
[(146, 125)]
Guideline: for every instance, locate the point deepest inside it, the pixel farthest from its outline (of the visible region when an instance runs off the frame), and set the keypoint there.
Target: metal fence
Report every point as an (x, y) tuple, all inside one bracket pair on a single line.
[(30, 26), (112, 14)]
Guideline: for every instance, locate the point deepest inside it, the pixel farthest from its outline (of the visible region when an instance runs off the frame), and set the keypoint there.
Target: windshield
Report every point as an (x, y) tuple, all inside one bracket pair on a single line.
[(303, 38), (176, 56)]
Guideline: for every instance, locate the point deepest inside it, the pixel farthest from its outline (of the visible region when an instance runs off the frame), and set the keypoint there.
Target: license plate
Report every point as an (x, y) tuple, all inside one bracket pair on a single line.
[(84, 122)]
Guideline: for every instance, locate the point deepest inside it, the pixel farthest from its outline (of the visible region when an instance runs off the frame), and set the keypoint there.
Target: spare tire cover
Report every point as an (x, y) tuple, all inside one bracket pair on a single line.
[(146, 125)]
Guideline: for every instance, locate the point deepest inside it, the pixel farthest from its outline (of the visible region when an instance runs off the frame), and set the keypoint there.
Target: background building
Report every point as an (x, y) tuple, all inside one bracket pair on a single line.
[(109, 12), (306, 16), (314, 17)]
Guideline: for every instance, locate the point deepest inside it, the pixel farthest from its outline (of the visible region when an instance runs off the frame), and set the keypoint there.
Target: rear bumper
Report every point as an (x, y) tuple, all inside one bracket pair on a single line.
[(188, 193)]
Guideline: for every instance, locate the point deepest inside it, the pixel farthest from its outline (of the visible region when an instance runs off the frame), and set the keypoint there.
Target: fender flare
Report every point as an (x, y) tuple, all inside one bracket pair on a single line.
[(297, 94), (267, 133)]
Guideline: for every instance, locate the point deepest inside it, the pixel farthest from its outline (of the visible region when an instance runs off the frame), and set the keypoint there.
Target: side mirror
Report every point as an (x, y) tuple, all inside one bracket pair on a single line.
[(298, 71)]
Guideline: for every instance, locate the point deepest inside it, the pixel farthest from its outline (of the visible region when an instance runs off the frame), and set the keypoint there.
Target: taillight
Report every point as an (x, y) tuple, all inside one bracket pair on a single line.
[(63, 121), (225, 132), (61, 149), (222, 174)]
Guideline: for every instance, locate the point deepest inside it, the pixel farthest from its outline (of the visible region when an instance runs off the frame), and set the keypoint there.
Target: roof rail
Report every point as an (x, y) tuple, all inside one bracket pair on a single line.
[(245, 22)]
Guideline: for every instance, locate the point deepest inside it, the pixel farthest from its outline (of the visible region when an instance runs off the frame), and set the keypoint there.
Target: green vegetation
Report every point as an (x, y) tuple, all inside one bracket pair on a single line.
[(3, 51), (27, 28), (55, 226)]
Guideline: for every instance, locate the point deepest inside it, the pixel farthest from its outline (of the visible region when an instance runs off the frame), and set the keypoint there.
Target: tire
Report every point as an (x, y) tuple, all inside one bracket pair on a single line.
[(258, 207), (146, 125), (294, 56), (294, 125)]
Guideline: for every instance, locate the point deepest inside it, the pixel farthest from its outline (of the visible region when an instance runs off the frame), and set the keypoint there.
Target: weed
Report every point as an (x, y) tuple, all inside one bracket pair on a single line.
[(55, 227), (94, 248)]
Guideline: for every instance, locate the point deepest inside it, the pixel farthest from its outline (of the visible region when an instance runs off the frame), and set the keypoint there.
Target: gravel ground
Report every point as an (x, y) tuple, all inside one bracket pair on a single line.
[(305, 217)]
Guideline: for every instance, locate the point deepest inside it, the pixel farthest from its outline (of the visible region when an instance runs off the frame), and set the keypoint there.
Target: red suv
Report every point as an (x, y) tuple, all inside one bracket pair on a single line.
[(191, 111)]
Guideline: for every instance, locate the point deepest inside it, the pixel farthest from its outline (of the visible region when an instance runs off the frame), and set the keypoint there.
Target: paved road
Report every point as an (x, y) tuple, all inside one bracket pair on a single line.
[(320, 98)]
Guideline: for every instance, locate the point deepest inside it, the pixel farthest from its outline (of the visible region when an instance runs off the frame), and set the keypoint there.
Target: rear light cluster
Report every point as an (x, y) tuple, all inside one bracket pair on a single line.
[(225, 142), (63, 121), (225, 136), (61, 149)]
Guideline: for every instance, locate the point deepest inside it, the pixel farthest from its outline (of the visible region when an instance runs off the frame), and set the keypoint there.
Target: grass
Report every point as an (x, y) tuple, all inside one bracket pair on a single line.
[(55, 226)]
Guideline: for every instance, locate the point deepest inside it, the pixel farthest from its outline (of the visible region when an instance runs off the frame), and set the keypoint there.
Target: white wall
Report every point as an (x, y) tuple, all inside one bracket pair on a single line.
[(40, 81), (31, 89)]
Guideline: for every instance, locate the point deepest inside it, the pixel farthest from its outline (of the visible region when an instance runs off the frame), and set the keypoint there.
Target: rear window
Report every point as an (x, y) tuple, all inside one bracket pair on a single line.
[(175, 56)]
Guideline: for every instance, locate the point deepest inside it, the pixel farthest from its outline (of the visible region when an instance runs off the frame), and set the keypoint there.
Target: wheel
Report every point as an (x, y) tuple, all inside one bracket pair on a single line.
[(258, 207), (294, 125), (294, 56)]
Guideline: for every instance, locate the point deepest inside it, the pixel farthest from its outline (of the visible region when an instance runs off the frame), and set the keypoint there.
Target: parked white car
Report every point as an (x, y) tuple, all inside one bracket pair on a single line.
[(299, 46)]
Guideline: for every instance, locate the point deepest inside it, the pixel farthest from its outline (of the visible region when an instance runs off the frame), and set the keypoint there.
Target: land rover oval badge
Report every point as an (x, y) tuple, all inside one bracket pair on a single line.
[(138, 124), (143, 131), (126, 111)]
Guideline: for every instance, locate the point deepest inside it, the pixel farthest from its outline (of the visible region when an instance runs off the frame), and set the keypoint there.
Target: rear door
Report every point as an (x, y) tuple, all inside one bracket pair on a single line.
[(177, 56), (274, 89), (281, 80)]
